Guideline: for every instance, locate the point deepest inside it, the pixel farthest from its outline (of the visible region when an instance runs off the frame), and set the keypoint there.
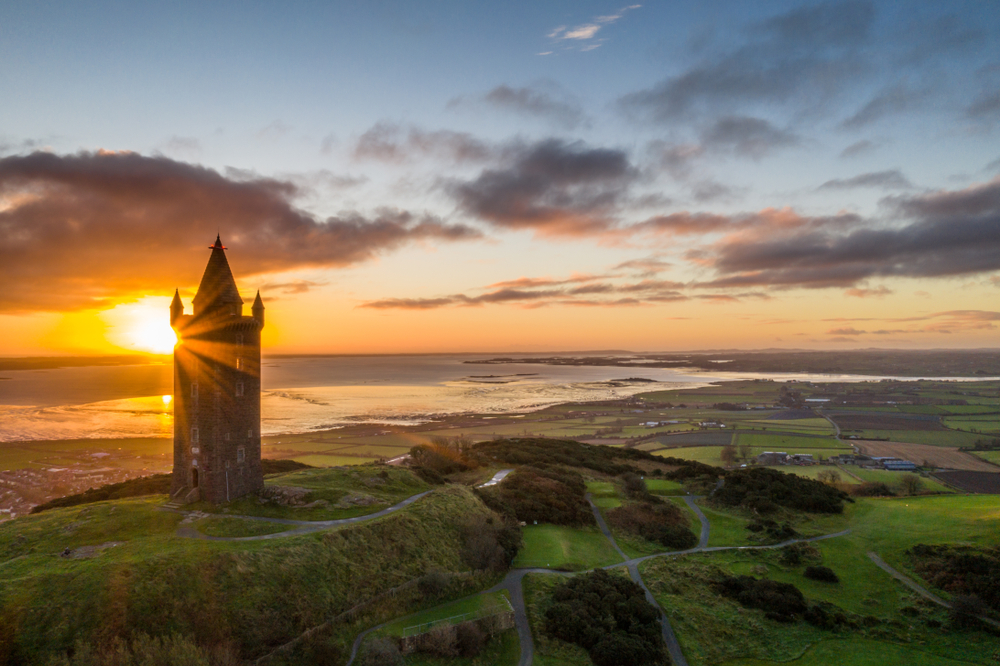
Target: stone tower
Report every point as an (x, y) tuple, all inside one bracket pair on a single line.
[(216, 390)]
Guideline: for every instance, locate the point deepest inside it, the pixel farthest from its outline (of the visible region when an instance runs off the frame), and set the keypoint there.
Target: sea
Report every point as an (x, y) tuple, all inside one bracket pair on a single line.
[(307, 393)]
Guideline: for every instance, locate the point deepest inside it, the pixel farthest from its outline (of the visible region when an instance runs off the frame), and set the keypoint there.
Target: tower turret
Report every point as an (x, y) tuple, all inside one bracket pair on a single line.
[(176, 307), (258, 309)]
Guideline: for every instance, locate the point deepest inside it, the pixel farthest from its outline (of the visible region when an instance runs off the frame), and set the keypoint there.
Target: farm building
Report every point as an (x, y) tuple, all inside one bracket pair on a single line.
[(801, 459), (772, 458), (899, 465)]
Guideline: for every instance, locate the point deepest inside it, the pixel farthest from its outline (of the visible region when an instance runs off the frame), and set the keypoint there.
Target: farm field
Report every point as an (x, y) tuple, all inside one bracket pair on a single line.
[(813, 472), (943, 437), (989, 456), (891, 479), (974, 482), (857, 652), (791, 443), (936, 456)]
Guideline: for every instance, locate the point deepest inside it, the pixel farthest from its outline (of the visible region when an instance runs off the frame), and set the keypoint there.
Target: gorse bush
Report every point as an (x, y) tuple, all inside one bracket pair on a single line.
[(765, 490), (961, 570), (543, 494), (779, 601), (608, 616), (872, 489), (825, 574), (662, 523)]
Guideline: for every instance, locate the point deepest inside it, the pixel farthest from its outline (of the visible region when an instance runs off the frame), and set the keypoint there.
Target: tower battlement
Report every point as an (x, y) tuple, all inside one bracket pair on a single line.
[(216, 390)]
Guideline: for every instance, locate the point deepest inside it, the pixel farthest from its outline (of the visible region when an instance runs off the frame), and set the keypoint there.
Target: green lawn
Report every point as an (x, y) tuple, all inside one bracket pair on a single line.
[(457, 611), (565, 548), (989, 456), (664, 487)]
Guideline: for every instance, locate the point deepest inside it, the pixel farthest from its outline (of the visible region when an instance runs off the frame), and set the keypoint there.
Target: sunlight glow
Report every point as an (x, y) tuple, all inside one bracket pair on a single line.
[(167, 399), (142, 326)]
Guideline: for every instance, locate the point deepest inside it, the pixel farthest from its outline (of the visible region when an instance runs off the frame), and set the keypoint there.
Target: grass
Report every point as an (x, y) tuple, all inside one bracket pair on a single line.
[(789, 443), (858, 652), (892, 479), (931, 437), (714, 630), (813, 472), (548, 651), (224, 526), (988, 456), (454, 611), (258, 594), (664, 487), (565, 548), (726, 529), (502, 650), (336, 487), (711, 455)]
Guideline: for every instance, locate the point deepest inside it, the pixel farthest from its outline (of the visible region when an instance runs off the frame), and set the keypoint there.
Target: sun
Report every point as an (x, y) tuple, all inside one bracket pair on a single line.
[(142, 326)]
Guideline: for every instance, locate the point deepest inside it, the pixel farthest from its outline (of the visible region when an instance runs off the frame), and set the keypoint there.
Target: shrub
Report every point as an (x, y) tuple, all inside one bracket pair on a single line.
[(826, 616), (764, 490), (961, 570), (794, 554), (661, 523), (440, 458), (779, 601), (872, 489), (441, 641), (546, 494), (608, 616), (433, 584), (381, 652), (490, 543), (825, 574), (470, 639), (910, 484), (965, 611), (633, 485), (772, 529)]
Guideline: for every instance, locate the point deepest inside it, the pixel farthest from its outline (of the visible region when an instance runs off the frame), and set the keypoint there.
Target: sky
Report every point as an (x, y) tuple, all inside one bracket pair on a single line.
[(398, 177)]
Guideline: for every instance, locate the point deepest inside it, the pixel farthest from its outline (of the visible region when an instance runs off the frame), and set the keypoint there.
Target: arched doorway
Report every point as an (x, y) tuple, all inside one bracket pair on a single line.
[(194, 477)]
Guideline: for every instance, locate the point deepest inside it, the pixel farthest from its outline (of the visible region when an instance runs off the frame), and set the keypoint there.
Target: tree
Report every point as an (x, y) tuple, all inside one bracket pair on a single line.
[(910, 484), (745, 451), (728, 454), (829, 476)]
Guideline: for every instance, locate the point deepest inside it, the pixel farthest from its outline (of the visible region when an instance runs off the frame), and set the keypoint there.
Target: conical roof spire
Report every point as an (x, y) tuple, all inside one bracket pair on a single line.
[(218, 286)]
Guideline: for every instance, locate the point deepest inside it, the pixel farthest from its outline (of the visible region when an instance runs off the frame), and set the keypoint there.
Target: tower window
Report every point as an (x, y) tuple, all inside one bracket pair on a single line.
[(241, 455), (249, 434), (195, 450), (194, 390), (239, 364), (239, 388), (226, 437), (194, 435)]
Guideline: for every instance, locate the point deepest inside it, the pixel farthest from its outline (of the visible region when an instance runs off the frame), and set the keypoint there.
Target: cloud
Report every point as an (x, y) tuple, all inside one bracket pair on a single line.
[(946, 233), (292, 287), (648, 267), (552, 187), (877, 292), (891, 100), (79, 231), (845, 331), (387, 142), (985, 105), (748, 137), (587, 31), (540, 100), (808, 54), (858, 148), (187, 145), (888, 180)]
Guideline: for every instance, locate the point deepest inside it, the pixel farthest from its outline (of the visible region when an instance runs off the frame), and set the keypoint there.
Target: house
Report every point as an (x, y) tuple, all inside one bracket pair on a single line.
[(772, 458)]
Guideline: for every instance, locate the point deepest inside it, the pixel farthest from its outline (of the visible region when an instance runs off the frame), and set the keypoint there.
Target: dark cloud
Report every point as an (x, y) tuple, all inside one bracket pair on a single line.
[(877, 292), (808, 53), (541, 100), (81, 230), (857, 149), (892, 100), (985, 105), (748, 137), (292, 287), (845, 331), (948, 233), (387, 142), (887, 180), (552, 187)]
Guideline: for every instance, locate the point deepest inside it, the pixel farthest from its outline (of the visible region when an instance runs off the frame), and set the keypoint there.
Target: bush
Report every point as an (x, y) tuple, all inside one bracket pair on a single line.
[(143, 650), (773, 530), (440, 457), (661, 523), (546, 494), (433, 584), (965, 611), (824, 574), (470, 639), (490, 543), (910, 484), (961, 570), (794, 554), (381, 652), (441, 641), (872, 489), (826, 616), (633, 485), (779, 601), (608, 616), (764, 490)]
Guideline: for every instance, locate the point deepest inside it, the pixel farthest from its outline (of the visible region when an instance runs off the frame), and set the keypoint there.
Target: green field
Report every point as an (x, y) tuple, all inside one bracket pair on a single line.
[(664, 487), (713, 629), (858, 652), (932, 437), (711, 455), (813, 472), (789, 443), (891, 479), (460, 610), (565, 548), (224, 526), (989, 456)]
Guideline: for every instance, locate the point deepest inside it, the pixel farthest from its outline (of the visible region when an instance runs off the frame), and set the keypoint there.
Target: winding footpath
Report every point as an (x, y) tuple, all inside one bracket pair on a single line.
[(301, 526)]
